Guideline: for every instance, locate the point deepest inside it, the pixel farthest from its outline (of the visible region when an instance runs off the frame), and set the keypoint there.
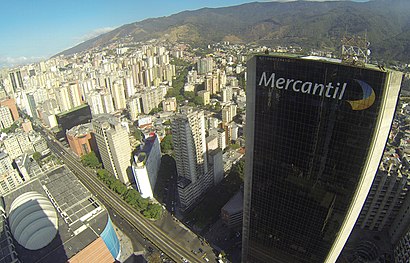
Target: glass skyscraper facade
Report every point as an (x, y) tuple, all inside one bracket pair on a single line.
[(315, 133)]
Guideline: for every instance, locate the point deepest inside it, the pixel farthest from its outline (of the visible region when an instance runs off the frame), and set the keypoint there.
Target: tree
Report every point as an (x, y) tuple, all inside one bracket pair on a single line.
[(153, 211), (166, 143), (217, 107), (172, 92), (37, 157), (189, 95), (90, 160), (239, 169), (138, 135), (198, 100), (155, 110)]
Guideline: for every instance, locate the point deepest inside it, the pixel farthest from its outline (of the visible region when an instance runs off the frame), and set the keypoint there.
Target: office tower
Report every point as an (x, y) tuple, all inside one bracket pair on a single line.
[(188, 136), (69, 119), (146, 165), (114, 146), (6, 119), (316, 130)]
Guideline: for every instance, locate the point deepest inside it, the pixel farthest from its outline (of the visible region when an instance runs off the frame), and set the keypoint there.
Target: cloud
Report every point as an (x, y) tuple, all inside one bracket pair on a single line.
[(94, 33), (17, 61)]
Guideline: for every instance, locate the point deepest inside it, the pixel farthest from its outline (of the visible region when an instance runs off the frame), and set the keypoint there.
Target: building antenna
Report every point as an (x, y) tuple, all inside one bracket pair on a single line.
[(355, 49)]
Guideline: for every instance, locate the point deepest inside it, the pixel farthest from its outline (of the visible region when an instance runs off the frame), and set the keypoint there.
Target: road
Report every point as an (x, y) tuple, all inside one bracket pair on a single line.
[(161, 240)]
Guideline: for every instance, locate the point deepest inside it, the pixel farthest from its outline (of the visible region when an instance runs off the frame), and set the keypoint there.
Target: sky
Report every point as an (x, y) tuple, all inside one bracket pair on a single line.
[(32, 30)]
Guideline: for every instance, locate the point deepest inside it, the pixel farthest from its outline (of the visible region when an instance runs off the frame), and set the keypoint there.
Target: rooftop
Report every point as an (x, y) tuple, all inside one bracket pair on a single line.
[(81, 219)]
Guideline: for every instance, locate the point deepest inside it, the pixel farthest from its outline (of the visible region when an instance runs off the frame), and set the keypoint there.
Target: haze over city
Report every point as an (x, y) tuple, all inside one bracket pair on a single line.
[(35, 30)]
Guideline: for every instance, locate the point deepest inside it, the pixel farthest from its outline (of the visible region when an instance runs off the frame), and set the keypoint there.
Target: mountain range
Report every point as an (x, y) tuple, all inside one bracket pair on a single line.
[(317, 25)]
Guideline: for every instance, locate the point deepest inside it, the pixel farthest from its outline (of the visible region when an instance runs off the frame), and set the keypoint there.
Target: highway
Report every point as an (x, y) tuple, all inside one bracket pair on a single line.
[(161, 240)]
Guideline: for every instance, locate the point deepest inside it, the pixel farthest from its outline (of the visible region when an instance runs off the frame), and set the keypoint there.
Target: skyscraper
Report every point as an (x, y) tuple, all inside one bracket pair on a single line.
[(316, 130), (114, 146), (188, 135)]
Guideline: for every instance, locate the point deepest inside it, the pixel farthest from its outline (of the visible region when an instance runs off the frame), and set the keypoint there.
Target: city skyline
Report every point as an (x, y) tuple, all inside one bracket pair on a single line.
[(34, 31)]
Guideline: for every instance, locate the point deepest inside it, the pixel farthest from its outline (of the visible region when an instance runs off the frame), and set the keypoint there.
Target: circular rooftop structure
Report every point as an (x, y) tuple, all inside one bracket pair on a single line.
[(33, 220)]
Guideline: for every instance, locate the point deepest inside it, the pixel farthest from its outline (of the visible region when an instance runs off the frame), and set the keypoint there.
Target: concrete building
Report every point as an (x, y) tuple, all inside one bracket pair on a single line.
[(232, 211), (9, 181), (226, 94), (18, 143), (152, 97), (389, 189), (216, 164), (6, 119), (205, 95), (188, 135), (5, 163), (205, 65), (39, 143), (228, 112), (11, 104), (146, 165), (118, 95), (27, 167), (169, 104), (26, 126), (81, 139), (113, 145)]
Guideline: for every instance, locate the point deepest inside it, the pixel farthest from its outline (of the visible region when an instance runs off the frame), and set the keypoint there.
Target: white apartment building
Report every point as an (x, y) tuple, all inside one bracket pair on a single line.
[(146, 166), (188, 134), (114, 146), (6, 119)]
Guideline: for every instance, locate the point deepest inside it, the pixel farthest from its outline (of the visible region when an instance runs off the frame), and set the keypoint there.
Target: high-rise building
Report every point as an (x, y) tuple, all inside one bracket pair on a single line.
[(114, 146), (387, 194), (188, 135), (118, 94), (315, 134), (6, 119), (146, 166)]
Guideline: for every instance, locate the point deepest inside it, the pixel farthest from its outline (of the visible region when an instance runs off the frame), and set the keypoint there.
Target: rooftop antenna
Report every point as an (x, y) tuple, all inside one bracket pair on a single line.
[(355, 50)]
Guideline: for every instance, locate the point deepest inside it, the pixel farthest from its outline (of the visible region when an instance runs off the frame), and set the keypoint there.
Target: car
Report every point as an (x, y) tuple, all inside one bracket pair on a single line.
[(206, 259), (200, 250)]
